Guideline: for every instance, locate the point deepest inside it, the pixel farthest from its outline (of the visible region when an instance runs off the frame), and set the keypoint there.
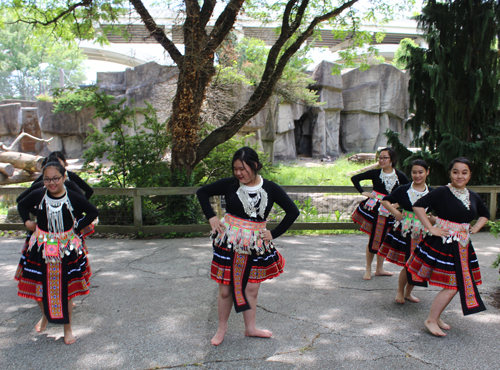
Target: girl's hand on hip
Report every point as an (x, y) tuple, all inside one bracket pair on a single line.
[(436, 231), (266, 235), (30, 225), (216, 225)]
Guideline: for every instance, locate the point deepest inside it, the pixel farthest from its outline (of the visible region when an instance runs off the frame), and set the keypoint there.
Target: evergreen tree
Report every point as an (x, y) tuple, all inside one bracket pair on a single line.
[(454, 88)]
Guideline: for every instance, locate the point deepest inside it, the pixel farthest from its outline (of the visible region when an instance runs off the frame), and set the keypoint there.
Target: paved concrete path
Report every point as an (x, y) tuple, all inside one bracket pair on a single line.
[(152, 306)]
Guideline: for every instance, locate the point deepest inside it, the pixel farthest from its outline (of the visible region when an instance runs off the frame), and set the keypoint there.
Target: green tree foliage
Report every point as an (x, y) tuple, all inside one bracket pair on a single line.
[(30, 63), (219, 163), (402, 53), (454, 88), (135, 151), (204, 29)]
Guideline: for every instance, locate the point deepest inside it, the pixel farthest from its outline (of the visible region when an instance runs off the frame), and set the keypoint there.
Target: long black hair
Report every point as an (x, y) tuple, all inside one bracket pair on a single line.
[(248, 156)]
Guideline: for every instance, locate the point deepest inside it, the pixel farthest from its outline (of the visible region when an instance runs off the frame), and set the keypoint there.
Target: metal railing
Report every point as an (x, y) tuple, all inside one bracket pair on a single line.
[(137, 194)]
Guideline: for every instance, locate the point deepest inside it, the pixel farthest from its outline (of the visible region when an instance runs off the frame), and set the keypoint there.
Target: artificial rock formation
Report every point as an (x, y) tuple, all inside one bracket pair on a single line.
[(374, 100), (355, 110)]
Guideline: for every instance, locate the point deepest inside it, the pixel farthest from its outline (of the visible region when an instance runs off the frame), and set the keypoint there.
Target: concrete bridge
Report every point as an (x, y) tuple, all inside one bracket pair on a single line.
[(140, 47)]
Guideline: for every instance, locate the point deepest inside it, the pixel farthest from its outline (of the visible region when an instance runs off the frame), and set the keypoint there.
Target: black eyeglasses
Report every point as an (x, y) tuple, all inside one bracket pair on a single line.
[(55, 180), (383, 158)]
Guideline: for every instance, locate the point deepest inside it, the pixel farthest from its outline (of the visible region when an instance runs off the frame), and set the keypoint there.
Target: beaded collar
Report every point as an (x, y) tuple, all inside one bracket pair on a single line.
[(461, 194), (53, 207), (256, 204), (389, 180), (414, 195)]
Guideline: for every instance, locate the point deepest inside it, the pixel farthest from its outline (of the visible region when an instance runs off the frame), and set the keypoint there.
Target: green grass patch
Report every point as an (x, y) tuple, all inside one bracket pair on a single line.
[(324, 174)]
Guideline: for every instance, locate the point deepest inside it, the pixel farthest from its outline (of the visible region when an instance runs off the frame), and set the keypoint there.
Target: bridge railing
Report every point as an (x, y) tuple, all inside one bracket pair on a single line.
[(322, 208)]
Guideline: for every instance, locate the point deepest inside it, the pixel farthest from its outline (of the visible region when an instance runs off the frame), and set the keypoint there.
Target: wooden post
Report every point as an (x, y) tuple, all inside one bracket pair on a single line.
[(493, 204), (137, 210)]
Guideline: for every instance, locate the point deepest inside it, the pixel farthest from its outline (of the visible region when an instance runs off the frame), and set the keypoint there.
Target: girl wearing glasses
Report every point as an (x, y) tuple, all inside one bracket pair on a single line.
[(244, 254), (78, 182), (72, 182), (54, 264), (407, 231), (374, 219), (446, 257)]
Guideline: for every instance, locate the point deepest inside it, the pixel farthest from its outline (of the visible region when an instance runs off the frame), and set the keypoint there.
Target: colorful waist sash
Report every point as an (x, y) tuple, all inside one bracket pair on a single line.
[(410, 224), (469, 295), (242, 236), (458, 232), (372, 203), (55, 245)]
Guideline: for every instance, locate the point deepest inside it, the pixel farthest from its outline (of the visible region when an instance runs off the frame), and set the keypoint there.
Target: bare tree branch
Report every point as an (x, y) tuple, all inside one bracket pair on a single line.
[(206, 12), (223, 26), (84, 3), (157, 32), (270, 77), (23, 134)]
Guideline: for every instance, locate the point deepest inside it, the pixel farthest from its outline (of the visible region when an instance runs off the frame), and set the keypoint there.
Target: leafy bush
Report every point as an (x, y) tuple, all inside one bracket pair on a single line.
[(135, 151), (44, 97), (495, 230), (71, 100), (218, 163)]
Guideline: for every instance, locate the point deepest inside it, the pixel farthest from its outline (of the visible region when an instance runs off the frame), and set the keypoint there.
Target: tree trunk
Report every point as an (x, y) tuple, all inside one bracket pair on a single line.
[(28, 162), (184, 123)]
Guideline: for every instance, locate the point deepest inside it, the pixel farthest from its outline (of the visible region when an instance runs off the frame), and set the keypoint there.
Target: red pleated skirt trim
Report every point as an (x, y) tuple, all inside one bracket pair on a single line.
[(264, 267)]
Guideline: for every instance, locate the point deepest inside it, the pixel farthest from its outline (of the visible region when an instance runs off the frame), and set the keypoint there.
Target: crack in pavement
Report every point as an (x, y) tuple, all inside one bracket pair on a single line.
[(395, 345), (19, 313), (145, 256)]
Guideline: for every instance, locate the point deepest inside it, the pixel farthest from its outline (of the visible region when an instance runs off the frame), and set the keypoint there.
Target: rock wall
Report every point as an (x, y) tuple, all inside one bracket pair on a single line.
[(374, 100), (355, 109)]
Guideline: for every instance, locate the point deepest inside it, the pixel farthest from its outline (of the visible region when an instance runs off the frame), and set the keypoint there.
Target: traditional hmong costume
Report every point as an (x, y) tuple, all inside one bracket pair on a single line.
[(404, 236), (53, 267), (74, 183), (240, 254), (374, 219), (451, 262)]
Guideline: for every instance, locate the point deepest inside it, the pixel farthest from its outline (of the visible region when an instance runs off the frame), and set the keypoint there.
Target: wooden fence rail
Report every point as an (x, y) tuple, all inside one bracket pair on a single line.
[(138, 193)]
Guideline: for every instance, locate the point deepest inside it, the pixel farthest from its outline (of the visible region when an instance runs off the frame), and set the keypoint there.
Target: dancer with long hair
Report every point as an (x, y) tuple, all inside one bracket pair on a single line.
[(244, 254), (446, 257), (374, 219), (407, 231), (53, 268)]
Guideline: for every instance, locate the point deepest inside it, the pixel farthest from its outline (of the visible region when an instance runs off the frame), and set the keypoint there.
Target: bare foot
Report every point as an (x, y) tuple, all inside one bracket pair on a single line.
[(41, 325), (74, 304), (218, 337), (258, 333), (434, 329), (69, 338), (400, 298), (412, 298), (383, 273), (443, 325), (368, 275)]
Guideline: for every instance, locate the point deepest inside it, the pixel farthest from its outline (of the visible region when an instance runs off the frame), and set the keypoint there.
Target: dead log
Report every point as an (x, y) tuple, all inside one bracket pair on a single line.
[(7, 169), (28, 162), (363, 157), (18, 177), (364, 169)]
